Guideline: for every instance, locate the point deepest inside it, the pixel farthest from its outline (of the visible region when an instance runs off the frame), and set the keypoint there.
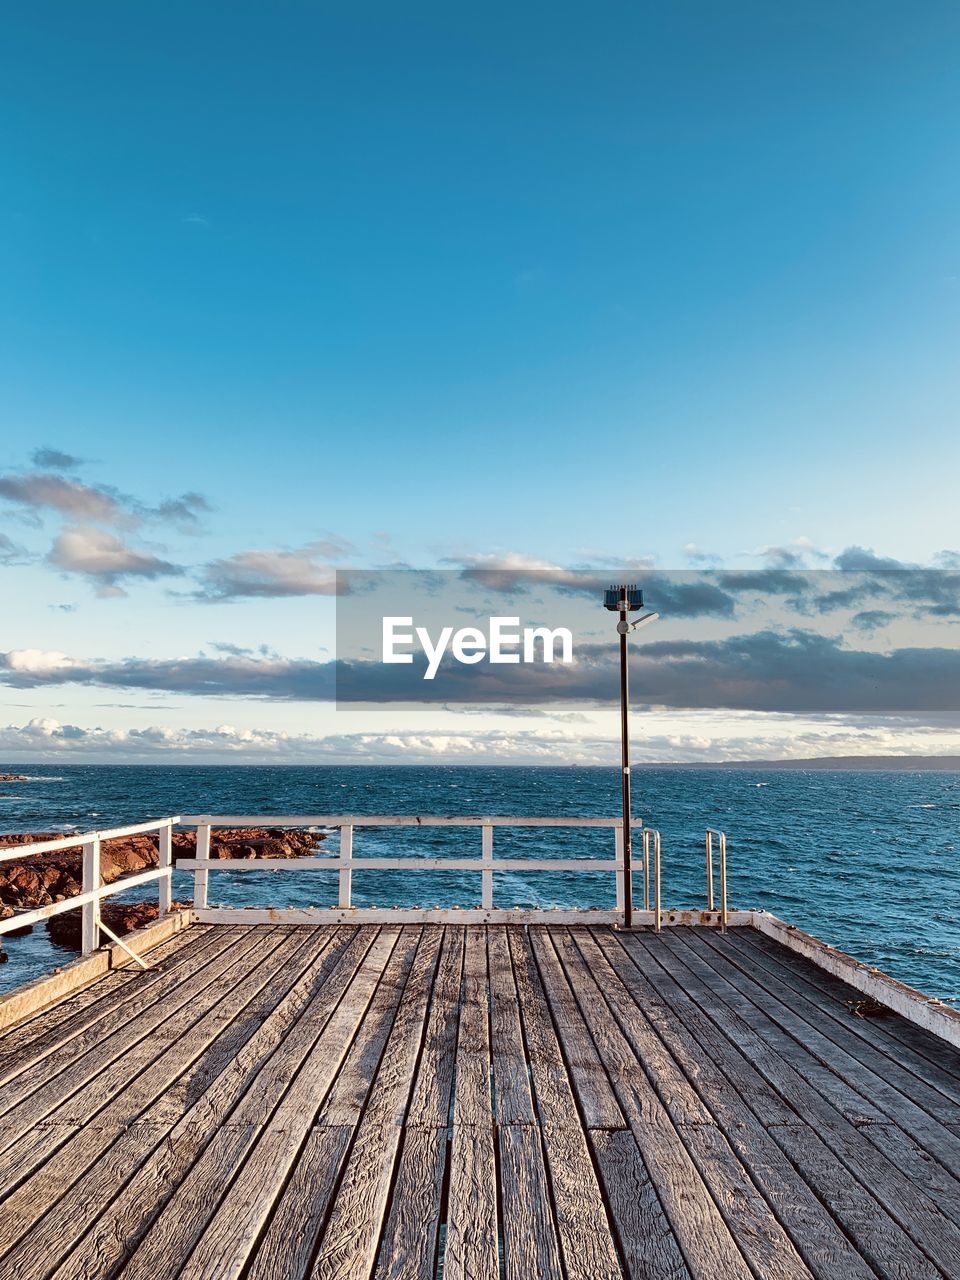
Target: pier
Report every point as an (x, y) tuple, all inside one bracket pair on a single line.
[(455, 1098)]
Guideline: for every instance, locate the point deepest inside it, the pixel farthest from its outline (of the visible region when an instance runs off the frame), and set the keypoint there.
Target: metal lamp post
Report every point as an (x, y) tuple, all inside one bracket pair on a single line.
[(623, 600)]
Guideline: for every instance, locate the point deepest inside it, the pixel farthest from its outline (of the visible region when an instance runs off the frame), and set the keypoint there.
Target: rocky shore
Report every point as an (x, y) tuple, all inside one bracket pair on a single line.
[(53, 877)]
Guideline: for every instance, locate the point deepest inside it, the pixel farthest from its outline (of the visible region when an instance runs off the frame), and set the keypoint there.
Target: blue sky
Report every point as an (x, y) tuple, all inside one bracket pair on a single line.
[(571, 284)]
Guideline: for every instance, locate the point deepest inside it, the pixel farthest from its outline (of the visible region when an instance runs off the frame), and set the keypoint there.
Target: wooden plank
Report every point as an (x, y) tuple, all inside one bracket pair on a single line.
[(704, 1237), (234, 1228), (433, 1086), (875, 1234), (348, 1094), (647, 1244), (24, 1102), (186, 1217), (471, 1250), (412, 1235), (885, 1088), (117, 1083), (919, 1217), (530, 1246), (757, 1232), (556, 1101), (853, 1052), (268, 1060), (920, 1045), (472, 1247), (723, 1077), (591, 1091), (513, 1101), (918, 1051), (39, 1005), (114, 1000), (472, 1104), (285, 1251), (349, 1244), (583, 1228), (95, 1153)]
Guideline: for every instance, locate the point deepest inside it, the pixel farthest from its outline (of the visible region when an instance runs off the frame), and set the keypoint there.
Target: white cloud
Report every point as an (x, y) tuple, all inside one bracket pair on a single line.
[(303, 572), (70, 498), (101, 556)]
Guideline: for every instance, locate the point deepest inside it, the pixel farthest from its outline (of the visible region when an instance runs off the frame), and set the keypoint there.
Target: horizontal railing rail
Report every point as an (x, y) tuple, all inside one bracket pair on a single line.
[(345, 862), (93, 891)]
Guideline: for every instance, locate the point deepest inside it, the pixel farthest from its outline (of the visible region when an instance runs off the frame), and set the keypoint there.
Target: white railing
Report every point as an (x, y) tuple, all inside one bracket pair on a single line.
[(93, 891), (345, 862)]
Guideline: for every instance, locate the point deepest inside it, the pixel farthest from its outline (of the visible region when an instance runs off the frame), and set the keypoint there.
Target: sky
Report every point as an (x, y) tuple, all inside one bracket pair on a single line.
[(301, 288)]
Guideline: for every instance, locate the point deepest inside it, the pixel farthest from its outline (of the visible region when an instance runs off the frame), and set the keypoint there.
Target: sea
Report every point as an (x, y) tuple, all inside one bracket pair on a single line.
[(868, 861)]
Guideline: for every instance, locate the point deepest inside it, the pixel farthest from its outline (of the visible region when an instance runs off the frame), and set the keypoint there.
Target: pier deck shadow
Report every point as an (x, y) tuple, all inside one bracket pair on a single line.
[(492, 1101)]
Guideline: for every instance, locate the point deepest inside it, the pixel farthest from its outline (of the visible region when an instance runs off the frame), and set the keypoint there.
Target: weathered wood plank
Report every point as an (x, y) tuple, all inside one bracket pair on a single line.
[(349, 1092), (267, 1061), (921, 1134), (723, 1077), (647, 1244), (100, 1065), (433, 1087), (916, 1042), (179, 1227), (471, 1250), (704, 1237), (530, 1246), (513, 1101), (87, 1006), (472, 1103), (591, 1086), (756, 1230), (285, 1252), (583, 1228), (553, 1087), (472, 1247), (349, 1243), (919, 1217), (412, 1235), (868, 1039), (101, 1156), (57, 1048), (125, 1085)]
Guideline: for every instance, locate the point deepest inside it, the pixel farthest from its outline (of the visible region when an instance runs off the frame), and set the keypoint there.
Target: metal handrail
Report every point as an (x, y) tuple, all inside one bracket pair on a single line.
[(708, 844), (92, 891), (651, 835)]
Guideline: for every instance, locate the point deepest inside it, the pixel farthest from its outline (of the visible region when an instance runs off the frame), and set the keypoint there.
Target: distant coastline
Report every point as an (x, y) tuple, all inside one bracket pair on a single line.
[(907, 764)]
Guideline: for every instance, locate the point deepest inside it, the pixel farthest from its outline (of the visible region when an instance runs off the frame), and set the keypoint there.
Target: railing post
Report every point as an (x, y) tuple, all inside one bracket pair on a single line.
[(486, 875), (618, 833), (201, 875), (723, 881), (346, 866), (165, 883), (709, 849), (90, 934), (657, 911)]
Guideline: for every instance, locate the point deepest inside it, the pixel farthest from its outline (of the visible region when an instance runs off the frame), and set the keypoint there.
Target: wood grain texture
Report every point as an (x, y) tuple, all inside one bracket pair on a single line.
[(561, 1101), (647, 1244)]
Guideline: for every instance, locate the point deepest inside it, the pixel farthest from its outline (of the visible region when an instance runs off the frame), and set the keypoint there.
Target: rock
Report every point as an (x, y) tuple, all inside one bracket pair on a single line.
[(121, 917), (53, 877), (13, 777)]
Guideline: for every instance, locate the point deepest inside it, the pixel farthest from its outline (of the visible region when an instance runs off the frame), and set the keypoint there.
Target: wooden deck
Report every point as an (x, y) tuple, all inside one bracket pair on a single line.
[(416, 1101)]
